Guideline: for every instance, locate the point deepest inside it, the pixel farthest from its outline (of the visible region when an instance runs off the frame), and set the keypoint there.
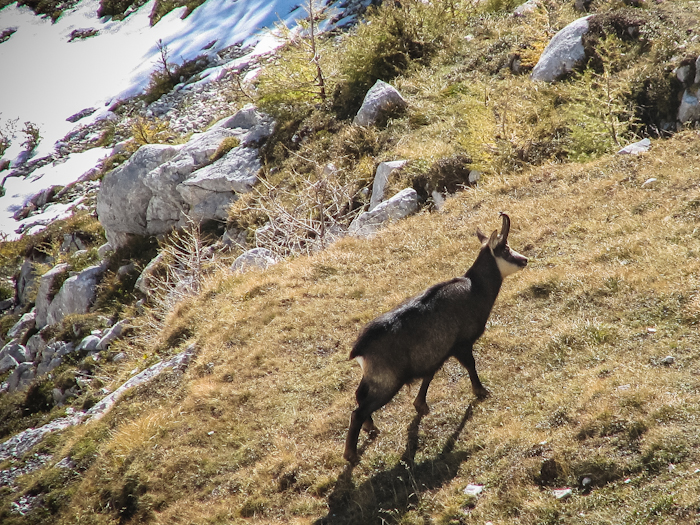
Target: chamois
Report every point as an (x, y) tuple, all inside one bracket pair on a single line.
[(414, 340)]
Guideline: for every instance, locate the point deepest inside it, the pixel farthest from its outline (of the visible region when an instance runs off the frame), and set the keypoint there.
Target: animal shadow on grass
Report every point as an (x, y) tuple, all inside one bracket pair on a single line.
[(390, 494)]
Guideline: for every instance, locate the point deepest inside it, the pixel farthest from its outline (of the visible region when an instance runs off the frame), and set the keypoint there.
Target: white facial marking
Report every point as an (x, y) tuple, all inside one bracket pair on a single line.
[(507, 268)]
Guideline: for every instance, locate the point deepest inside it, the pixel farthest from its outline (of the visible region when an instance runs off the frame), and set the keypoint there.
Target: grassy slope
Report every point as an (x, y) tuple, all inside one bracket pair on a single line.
[(255, 428)]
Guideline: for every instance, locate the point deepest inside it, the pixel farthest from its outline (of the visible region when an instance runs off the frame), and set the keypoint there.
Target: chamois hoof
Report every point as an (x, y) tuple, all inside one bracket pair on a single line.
[(373, 431), (423, 410), (481, 393), (351, 457)]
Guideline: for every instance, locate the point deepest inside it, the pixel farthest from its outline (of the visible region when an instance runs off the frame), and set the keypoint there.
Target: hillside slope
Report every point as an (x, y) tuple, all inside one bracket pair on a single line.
[(572, 355), (591, 353)]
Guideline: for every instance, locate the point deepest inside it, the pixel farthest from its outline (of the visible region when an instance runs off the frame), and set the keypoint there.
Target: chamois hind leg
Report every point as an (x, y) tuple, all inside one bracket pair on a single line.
[(420, 403), (370, 398), (463, 353)]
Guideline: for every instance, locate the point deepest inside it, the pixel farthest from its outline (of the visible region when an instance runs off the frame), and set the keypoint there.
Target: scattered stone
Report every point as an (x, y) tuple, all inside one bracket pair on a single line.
[(381, 177), (35, 345), (401, 205), (120, 357), (21, 377), (18, 445), (563, 53), (624, 387), (689, 109), (562, 493), (44, 294), (21, 327), (668, 360), (255, 258), (110, 335), (71, 243), (7, 363), (642, 146), (146, 280), (104, 250), (17, 351), (6, 305), (527, 8), (76, 295), (380, 101), (473, 489), (88, 344)]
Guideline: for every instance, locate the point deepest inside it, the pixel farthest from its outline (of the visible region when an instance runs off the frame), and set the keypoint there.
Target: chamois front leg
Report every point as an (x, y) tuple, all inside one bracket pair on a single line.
[(420, 402), (464, 355)]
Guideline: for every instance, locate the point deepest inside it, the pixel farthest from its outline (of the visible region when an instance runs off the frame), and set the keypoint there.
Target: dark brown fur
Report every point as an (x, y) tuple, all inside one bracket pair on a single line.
[(415, 339)]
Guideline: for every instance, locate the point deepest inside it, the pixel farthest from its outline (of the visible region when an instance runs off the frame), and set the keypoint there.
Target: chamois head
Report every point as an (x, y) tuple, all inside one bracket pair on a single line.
[(508, 260)]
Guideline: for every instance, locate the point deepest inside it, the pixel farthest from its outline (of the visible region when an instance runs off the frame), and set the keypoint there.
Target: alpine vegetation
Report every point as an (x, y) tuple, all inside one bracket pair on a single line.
[(414, 340)]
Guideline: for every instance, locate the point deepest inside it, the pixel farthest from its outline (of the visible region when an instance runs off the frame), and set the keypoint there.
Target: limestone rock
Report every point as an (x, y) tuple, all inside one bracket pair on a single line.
[(156, 189), (88, 344), (564, 52), (381, 100), (21, 377), (21, 327), (689, 110), (17, 351), (212, 189), (255, 258), (44, 295), (123, 197), (110, 335), (399, 206), (76, 295), (636, 148), (381, 177), (7, 363)]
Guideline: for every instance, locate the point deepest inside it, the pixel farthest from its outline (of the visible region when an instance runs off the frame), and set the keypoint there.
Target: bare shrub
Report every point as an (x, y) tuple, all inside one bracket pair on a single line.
[(306, 216)]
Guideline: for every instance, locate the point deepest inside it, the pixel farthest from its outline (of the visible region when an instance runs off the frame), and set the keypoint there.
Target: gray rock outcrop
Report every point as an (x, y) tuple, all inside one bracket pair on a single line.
[(563, 53), (401, 205), (381, 100), (124, 196), (155, 190)]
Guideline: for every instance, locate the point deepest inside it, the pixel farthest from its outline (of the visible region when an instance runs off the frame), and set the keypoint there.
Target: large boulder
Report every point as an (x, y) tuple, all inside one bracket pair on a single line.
[(381, 100), (401, 205), (124, 197), (159, 187), (563, 53)]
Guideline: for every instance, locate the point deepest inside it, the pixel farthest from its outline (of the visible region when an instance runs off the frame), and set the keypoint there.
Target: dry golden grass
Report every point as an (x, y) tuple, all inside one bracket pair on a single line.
[(254, 430)]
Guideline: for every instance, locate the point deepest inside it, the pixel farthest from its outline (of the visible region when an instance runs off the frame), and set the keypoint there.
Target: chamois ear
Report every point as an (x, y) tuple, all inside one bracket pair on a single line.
[(482, 238), (494, 240)]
